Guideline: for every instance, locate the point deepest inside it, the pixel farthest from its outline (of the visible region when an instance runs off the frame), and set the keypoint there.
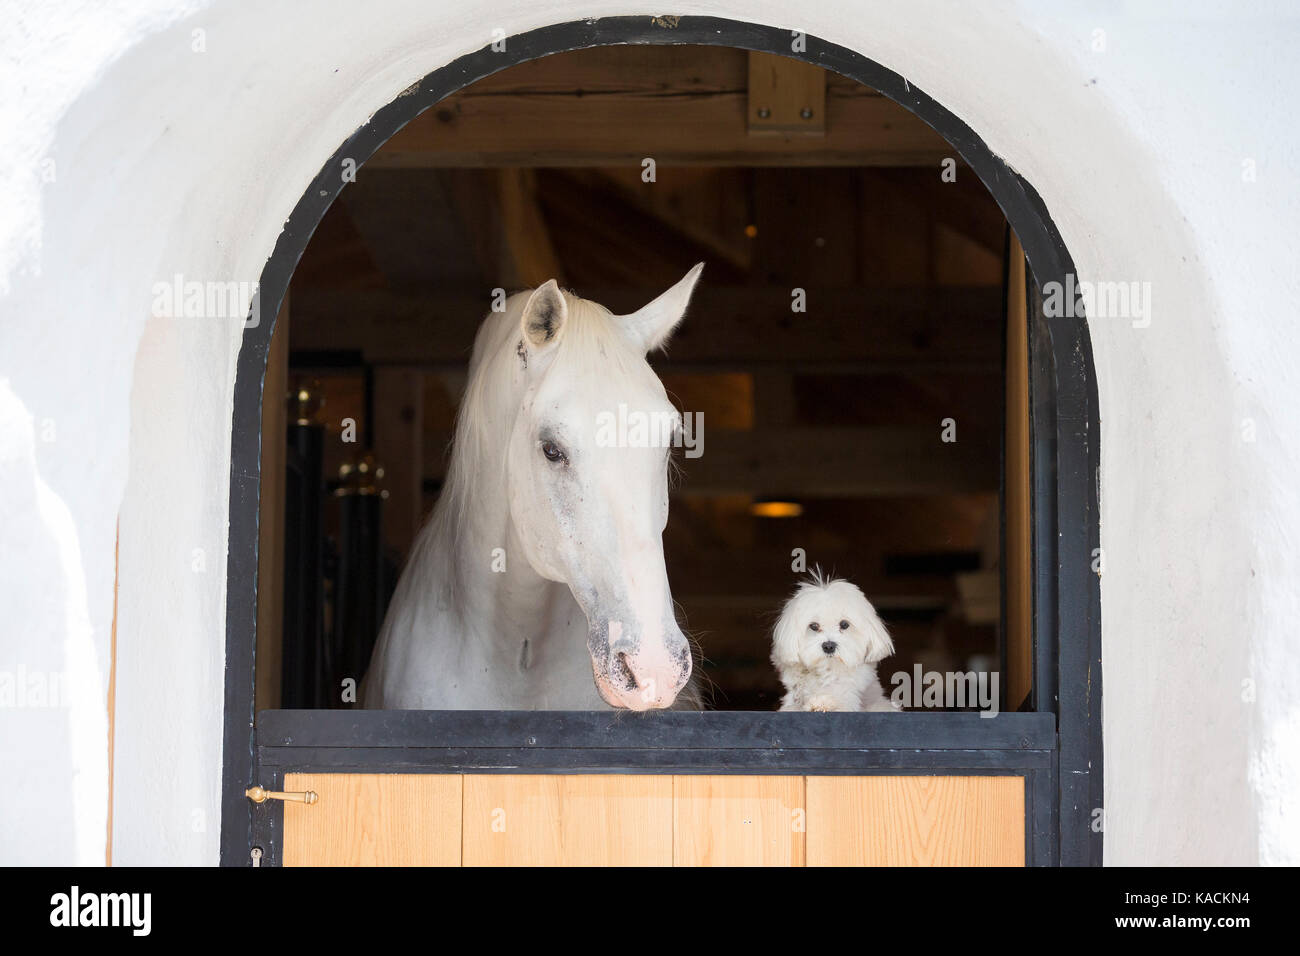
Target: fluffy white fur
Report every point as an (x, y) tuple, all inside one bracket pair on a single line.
[(826, 646)]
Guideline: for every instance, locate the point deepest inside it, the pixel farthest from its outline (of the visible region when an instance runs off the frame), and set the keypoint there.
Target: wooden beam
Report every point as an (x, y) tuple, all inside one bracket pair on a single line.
[(844, 329), (608, 239), (338, 256), (964, 205), (677, 105), (708, 206), (270, 521), (528, 257), (474, 197), (785, 96), (842, 463), (1018, 573), (809, 227), (823, 463), (762, 578)]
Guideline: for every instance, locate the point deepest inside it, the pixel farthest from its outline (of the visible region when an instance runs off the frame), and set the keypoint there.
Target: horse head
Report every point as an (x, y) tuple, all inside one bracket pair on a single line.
[(587, 472)]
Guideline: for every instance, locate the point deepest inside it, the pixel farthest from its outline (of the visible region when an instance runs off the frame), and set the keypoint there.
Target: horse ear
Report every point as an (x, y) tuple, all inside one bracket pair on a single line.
[(544, 314), (651, 326)]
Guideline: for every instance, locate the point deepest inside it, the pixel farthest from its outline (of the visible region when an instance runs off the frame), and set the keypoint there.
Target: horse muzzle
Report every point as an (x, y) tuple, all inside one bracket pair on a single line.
[(638, 675)]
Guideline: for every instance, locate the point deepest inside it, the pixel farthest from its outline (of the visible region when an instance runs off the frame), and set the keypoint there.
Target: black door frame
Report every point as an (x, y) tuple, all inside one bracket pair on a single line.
[(1066, 533)]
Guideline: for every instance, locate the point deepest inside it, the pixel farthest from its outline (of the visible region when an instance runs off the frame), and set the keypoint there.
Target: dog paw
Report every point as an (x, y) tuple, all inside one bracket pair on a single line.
[(821, 704)]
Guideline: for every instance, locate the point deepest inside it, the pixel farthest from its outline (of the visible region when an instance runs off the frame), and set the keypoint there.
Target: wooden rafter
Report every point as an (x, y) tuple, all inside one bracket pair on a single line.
[(727, 327), (676, 105)]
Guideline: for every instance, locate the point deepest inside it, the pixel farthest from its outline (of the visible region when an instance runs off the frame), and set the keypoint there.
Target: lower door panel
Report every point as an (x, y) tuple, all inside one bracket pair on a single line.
[(365, 819)]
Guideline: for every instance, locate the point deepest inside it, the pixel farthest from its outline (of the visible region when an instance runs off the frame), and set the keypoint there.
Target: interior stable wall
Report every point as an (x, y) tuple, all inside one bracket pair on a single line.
[(143, 140)]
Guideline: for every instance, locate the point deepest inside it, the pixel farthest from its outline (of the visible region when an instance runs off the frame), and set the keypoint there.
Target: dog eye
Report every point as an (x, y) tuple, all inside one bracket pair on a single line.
[(552, 451), (844, 625), (814, 626)]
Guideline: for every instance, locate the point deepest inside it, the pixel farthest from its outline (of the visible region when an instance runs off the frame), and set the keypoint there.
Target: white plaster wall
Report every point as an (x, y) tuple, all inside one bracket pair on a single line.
[(168, 160)]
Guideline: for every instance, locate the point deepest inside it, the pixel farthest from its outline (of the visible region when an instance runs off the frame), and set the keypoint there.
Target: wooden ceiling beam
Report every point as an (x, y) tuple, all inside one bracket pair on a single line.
[(843, 462), (785, 96), (716, 576), (681, 106), (528, 255), (607, 238), (727, 327), (963, 205), (807, 463)]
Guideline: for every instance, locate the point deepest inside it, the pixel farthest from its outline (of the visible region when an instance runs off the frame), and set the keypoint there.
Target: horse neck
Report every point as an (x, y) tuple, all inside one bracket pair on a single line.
[(508, 604), (471, 533)]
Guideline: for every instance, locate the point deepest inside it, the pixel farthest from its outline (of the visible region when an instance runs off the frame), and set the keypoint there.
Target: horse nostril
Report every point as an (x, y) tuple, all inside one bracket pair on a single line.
[(829, 647), (625, 670)]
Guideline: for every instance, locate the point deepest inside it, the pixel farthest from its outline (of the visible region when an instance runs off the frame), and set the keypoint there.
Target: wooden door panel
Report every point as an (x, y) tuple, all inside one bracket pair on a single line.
[(654, 820), (916, 821), (374, 820), (733, 820), (568, 820)]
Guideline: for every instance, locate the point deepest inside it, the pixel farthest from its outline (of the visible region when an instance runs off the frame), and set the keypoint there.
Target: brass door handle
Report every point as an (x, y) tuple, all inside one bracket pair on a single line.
[(260, 795)]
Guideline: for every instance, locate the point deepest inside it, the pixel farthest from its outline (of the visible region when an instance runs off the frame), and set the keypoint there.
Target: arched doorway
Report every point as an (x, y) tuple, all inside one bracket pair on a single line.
[(1066, 790)]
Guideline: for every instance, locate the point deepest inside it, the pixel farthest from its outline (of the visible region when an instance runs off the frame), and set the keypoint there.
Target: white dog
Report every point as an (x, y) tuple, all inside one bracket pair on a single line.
[(826, 646)]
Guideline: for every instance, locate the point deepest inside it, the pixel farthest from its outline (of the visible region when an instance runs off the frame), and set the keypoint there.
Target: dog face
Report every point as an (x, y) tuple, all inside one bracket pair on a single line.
[(829, 624)]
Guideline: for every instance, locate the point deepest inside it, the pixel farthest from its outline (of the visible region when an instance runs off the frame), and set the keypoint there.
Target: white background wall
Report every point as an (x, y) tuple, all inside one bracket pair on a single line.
[(168, 160)]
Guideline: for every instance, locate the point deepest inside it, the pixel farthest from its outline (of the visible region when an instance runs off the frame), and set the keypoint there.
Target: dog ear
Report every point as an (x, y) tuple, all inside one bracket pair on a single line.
[(785, 637), (879, 644)]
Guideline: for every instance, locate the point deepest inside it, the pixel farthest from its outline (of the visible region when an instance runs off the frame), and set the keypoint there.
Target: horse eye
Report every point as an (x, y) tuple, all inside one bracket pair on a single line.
[(815, 626), (552, 451), (844, 625)]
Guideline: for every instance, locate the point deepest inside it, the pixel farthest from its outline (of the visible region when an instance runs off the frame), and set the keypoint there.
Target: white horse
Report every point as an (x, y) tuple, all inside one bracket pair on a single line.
[(538, 582)]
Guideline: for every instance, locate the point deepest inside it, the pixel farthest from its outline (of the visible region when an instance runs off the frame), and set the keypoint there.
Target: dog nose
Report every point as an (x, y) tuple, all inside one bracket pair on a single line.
[(829, 647)]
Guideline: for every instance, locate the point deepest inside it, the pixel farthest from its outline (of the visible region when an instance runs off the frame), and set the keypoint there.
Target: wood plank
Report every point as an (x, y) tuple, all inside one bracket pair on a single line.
[(894, 236), (916, 821), (876, 462), (1018, 564), (725, 399), (727, 327), (681, 106), (785, 96), (606, 238), (708, 205), (738, 820), (270, 521), (808, 231), (374, 820), (964, 205), (568, 820), (762, 578), (528, 257), (842, 463)]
